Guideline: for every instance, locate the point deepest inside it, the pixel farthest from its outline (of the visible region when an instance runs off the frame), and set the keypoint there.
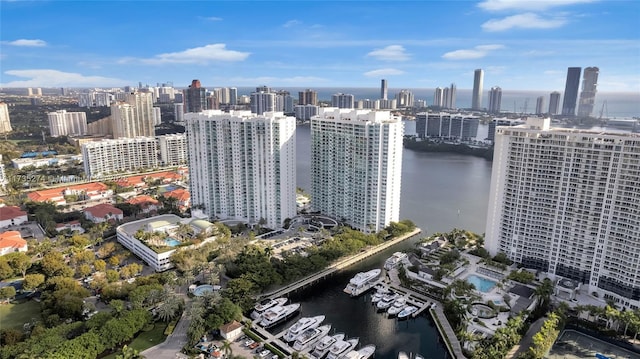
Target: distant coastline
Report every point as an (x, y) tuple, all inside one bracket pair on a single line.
[(461, 148)]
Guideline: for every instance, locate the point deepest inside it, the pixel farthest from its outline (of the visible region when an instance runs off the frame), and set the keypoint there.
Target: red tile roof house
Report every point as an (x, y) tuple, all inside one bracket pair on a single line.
[(231, 331), (182, 195), (73, 226), (93, 191), (11, 241), (102, 213), (12, 216), (147, 203)]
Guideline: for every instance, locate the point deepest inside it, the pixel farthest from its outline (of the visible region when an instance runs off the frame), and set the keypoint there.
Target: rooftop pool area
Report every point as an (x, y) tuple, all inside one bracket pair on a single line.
[(172, 242), (482, 284)]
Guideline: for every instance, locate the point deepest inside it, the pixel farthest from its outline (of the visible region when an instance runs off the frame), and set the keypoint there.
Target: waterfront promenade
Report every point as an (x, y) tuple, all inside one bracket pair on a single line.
[(341, 264)]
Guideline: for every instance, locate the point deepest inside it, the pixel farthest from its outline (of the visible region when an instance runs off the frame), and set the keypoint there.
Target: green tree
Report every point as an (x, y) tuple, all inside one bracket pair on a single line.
[(19, 261), (53, 265), (99, 265), (32, 281), (7, 293), (129, 353)]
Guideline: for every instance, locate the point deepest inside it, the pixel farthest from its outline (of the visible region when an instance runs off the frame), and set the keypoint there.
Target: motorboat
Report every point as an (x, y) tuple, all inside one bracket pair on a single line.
[(278, 314), (342, 347), (266, 304), (380, 292), (397, 306), (362, 282), (394, 260), (403, 355), (310, 337), (407, 312), (365, 352), (386, 301), (323, 345), (300, 326)]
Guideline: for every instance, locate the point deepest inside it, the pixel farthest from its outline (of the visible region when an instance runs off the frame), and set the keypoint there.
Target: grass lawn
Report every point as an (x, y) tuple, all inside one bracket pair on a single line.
[(146, 340), (15, 315)]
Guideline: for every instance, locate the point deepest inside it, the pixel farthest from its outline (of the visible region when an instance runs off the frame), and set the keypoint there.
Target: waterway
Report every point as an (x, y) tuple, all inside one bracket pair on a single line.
[(439, 192)]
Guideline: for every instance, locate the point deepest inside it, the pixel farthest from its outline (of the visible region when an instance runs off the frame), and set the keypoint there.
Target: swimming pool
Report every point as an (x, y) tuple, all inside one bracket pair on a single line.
[(482, 284), (202, 289), (172, 242)]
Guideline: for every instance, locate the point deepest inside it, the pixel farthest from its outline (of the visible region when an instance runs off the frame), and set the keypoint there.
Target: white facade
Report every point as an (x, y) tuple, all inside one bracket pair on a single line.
[(305, 112), (356, 166), (262, 102), (134, 117), (567, 202), (63, 123), (108, 157), (173, 149), (21, 163), (242, 165), (478, 80), (157, 116), (5, 124), (342, 100)]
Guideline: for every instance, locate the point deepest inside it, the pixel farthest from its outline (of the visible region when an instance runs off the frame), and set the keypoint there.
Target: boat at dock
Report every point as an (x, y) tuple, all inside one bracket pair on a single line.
[(365, 352), (278, 314), (406, 312), (322, 347), (386, 301), (266, 304), (394, 260), (310, 337), (300, 326), (362, 282), (397, 306), (341, 348)]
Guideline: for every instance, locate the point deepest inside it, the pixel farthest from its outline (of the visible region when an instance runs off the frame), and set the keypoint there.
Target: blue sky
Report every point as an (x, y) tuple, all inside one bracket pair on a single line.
[(521, 45)]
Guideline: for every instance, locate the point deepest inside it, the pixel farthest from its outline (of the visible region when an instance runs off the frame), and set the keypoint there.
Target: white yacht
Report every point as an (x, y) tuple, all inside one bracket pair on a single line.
[(362, 282), (278, 314), (340, 348), (407, 312), (394, 260), (403, 355), (300, 326), (311, 336), (381, 292), (386, 301), (365, 352), (324, 344), (397, 306), (266, 304)]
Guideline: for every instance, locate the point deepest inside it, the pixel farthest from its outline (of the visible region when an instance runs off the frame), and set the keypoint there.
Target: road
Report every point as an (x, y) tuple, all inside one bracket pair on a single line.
[(172, 346)]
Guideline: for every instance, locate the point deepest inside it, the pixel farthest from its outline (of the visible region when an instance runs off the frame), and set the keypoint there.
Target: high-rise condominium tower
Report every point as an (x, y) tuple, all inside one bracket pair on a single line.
[(495, 99), (383, 89), (438, 97), (478, 79), (262, 102), (342, 100), (5, 124), (63, 123), (242, 165), (134, 116), (571, 91), (554, 103), (195, 98), (539, 105), (307, 97), (588, 94), (566, 202), (356, 166)]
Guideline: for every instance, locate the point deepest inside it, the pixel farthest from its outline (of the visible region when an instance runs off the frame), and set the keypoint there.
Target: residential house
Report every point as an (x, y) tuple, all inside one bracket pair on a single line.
[(11, 241), (103, 212), (12, 216)]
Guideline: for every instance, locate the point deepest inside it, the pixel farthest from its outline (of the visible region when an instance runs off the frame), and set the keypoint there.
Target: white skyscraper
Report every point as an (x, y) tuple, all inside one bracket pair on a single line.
[(404, 98), (172, 149), (242, 165), (495, 99), (134, 117), (5, 124), (589, 89), (438, 97), (566, 201), (478, 81), (63, 123), (178, 112), (342, 100), (109, 157), (356, 166), (157, 116), (262, 102)]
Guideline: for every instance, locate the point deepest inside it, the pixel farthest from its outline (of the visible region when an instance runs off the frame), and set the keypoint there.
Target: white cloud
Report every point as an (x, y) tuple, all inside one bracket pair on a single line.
[(275, 81), (211, 18), (475, 53), (196, 55), (527, 5), (383, 72), (26, 43), (55, 78), (292, 23), (390, 53), (523, 21)]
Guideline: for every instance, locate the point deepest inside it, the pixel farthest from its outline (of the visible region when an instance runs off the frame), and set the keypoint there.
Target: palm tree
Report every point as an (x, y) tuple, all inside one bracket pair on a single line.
[(543, 292), (226, 348), (170, 308)]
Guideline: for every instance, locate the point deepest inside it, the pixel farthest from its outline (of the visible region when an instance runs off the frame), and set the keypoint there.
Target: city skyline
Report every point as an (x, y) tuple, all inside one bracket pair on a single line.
[(520, 45)]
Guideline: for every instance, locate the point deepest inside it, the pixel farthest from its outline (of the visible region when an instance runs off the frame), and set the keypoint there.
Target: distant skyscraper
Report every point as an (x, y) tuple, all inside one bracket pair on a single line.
[(263, 88), (342, 100), (195, 98), (38, 91), (356, 166), (495, 99), (438, 97), (262, 102), (157, 116), (242, 165), (566, 202), (134, 117), (554, 103), (233, 96), (452, 97), (383, 89), (540, 105), (29, 91), (307, 97), (404, 98), (571, 91), (178, 112), (588, 94), (63, 123), (478, 79), (5, 124)]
